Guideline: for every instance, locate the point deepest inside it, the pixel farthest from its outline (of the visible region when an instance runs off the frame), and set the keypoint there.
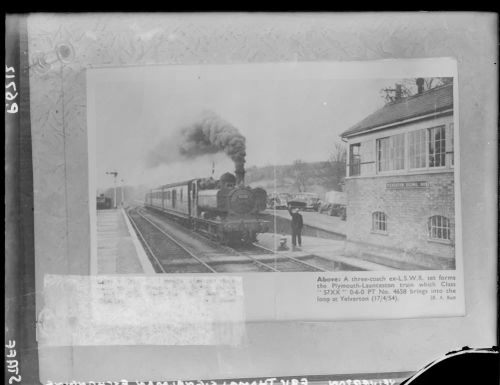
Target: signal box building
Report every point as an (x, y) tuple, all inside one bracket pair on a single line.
[(400, 183)]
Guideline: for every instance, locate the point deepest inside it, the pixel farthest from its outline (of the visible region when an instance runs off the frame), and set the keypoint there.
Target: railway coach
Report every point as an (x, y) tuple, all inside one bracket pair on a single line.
[(219, 209)]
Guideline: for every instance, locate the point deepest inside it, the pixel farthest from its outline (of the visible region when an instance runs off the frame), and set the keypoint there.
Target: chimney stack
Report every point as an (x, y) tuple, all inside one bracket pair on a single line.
[(399, 92), (420, 85), (240, 177)]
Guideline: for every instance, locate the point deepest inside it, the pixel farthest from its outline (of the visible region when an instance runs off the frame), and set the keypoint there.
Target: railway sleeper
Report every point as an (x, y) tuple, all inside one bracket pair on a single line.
[(239, 259), (185, 262)]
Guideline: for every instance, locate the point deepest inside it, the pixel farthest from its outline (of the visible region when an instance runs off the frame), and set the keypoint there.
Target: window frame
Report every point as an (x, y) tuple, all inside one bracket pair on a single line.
[(391, 150), (378, 152), (351, 158), (379, 217), (428, 134), (426, 156), (443, 229), (451, 145), (447, 127)]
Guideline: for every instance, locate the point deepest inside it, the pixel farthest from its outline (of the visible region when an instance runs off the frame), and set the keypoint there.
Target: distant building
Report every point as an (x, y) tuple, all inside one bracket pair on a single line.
[(400, 183)]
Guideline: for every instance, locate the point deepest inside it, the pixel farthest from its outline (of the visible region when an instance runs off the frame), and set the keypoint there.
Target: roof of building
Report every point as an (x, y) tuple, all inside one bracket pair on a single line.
[(432, 101)]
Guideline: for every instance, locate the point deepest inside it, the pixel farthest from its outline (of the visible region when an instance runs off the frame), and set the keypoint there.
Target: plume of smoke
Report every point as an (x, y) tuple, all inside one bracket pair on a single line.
[(207, 135)]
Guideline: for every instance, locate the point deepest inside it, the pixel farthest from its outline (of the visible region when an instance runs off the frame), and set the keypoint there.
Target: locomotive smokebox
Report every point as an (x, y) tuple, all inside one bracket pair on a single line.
[(227, 180), (240, 177)]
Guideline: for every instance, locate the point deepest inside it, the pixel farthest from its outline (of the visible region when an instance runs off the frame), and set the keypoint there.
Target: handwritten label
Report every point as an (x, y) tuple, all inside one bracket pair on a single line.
[(12, 363), (264, 381), (383, 381), (10, 90), (157, 310)]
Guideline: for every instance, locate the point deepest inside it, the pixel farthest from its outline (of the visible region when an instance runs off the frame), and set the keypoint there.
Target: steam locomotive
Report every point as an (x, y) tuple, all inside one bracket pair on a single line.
[(223, 209)]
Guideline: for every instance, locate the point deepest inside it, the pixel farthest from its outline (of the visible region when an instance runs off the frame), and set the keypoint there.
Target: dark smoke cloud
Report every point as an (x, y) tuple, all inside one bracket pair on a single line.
[(207, 135)]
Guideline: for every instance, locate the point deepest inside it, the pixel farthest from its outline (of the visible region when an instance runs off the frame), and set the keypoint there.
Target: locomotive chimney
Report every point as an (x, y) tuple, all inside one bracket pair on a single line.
[(240, 177)]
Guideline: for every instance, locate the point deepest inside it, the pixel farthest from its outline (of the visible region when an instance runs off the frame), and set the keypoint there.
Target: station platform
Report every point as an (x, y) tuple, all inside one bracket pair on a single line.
[(330, 249), (314, 219), (119, 251)]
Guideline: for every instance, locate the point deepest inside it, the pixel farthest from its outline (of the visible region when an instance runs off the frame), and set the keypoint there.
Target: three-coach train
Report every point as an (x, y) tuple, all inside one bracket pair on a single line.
[(223, 209)]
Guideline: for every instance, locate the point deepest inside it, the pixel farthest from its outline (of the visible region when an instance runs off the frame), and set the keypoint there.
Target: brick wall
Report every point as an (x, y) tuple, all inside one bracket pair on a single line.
[(407, 211)]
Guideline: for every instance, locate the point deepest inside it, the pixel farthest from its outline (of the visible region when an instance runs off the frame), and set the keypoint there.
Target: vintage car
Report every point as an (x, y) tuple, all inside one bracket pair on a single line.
[(305, 201), (278, 201), (335, 204)]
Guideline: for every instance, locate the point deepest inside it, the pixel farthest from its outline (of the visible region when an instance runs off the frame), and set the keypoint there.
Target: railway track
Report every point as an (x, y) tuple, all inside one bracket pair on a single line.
[(171, 251), (260, 250), (162, 247)]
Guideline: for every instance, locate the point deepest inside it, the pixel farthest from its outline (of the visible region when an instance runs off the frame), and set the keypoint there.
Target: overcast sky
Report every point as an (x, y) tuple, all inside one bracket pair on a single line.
[(283, 118)]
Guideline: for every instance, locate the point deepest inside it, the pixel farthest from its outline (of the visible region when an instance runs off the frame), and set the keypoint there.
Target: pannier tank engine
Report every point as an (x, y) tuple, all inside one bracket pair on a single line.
[(224, 210)]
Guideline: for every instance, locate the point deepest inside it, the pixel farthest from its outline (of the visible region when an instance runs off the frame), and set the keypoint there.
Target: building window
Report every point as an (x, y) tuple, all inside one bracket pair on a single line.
[(452, 150), (383, 154), (437, 146), (416, 149), (354, 159), (379, 222), (439, 227), (398, 151), (391, 153)]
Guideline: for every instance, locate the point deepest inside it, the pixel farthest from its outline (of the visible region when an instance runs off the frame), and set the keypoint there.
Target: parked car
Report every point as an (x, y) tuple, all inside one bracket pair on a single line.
[(335, 204), (334, 210), (305, 201), (278, 201)]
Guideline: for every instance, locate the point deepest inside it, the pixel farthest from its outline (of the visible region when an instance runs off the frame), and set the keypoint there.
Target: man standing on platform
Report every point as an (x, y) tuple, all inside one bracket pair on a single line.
[(297, 224)]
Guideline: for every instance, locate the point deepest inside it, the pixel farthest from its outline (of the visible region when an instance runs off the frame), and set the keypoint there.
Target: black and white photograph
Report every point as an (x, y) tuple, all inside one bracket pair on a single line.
[(233, 198), (254, 172)]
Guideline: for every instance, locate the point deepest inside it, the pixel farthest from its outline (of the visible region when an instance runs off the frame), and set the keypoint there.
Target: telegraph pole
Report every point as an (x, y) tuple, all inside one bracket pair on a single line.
[(123, 193), (115, 174)]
